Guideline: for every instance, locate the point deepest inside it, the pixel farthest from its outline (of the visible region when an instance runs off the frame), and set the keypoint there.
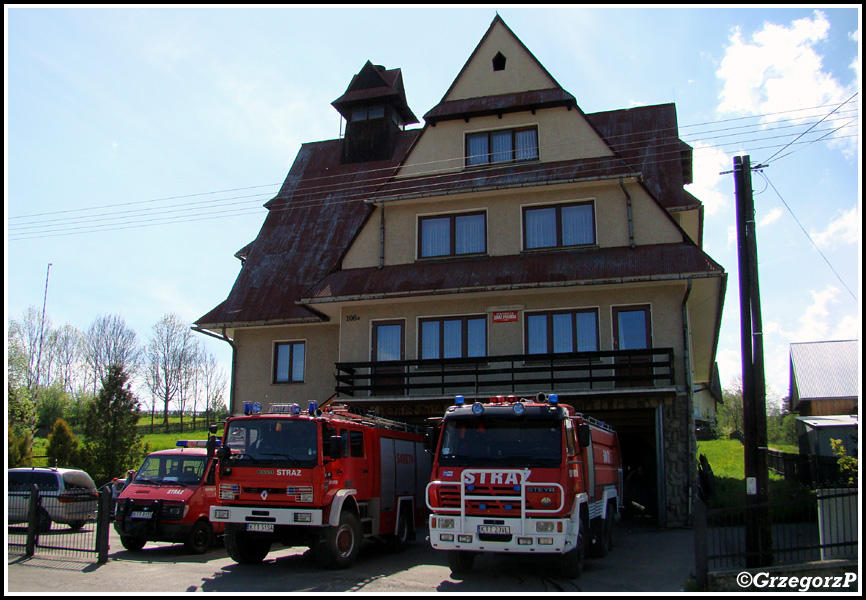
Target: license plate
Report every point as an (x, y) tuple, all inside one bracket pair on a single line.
[(494, 529), (141, 514), (265, 527)]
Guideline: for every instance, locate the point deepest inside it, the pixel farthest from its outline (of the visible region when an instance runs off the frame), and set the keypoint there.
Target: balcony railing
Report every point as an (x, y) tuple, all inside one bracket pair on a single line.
[(510, 374)]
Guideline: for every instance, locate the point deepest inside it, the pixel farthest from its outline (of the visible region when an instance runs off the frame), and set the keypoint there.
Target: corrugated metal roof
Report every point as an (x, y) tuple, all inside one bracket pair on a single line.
[(821, 370), (525, 271)]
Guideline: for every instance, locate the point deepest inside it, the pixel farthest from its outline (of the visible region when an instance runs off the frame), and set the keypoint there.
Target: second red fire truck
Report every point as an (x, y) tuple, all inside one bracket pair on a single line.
[(323, 479), (527, 476)]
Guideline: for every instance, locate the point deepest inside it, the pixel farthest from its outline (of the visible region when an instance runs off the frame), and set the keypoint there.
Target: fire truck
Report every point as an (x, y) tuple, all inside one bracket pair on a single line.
[(325, 479), (169, 499), (523, 476)]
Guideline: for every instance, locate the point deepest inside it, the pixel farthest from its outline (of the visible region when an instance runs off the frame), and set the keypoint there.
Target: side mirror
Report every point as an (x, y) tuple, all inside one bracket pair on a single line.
[(584, 435)]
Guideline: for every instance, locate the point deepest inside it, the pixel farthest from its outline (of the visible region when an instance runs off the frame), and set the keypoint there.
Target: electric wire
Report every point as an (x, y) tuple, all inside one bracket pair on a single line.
[(621, 144)]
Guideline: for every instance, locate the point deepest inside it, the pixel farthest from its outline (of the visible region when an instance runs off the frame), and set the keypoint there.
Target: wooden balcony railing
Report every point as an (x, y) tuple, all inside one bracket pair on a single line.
[(510, 374)]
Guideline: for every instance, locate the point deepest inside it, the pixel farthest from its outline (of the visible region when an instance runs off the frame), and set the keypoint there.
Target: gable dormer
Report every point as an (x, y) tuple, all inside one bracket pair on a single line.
[(375, 108)]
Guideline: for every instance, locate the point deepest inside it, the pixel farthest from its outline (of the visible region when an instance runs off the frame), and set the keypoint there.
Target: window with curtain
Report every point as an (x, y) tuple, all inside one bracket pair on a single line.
[(504, 145), (289, 358), (452, 235), (453, 337), (562, 331), (559, 225)]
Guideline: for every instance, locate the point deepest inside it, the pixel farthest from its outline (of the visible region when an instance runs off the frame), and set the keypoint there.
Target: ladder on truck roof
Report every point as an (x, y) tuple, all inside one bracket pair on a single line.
[(342, 411)]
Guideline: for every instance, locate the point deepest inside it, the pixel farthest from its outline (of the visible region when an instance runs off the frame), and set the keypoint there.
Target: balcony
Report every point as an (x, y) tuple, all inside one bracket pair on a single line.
[(509, 374)]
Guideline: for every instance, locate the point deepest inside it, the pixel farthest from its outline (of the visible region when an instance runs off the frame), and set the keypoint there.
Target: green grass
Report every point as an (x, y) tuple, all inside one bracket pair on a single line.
[(165, 441), (726, 458)]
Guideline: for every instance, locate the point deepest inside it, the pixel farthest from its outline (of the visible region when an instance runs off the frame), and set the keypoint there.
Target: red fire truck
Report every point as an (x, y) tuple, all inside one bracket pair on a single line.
[(527, 476), (323, 479), (169, 499)]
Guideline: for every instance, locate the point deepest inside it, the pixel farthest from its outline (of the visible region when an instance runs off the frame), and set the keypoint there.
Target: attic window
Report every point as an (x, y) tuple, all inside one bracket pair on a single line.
[(499, 62)]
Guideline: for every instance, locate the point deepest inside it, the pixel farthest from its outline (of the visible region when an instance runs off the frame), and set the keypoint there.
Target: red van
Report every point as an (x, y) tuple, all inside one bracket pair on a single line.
[(169, 500)]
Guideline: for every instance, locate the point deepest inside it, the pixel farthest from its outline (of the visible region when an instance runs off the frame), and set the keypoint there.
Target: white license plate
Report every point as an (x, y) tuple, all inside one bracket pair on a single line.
[(141, 514), (266, 527), (494, 529)]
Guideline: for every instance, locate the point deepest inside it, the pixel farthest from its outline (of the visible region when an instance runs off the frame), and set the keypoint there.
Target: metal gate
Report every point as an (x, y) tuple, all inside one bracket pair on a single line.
[(33, 527)]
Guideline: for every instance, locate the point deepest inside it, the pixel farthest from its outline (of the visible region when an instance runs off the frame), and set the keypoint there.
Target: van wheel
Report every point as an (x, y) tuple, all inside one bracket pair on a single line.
[(341, 544), (246, 549), (76, 525), (43, 523), (199, 539), (132, 543), (460, 561)]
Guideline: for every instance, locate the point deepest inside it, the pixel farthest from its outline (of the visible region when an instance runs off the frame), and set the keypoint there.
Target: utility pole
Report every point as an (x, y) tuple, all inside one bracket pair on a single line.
[(759, 542), (39, 353)]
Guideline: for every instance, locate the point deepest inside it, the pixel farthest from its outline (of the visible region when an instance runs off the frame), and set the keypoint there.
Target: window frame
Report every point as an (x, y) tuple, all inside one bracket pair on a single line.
[(557, 207), (291, 344), (549, 329), (468, 159), (452, 234), (464, 335)]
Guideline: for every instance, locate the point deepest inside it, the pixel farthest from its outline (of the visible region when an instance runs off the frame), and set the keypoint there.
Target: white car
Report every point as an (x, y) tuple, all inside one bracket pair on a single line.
[(68, 496)]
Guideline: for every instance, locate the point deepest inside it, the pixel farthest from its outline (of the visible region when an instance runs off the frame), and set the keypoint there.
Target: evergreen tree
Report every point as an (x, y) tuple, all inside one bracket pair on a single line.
[(112, 442), (62, 448)]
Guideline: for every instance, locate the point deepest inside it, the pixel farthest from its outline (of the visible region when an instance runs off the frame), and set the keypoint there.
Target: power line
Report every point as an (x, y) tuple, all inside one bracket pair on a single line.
[(809, 237)]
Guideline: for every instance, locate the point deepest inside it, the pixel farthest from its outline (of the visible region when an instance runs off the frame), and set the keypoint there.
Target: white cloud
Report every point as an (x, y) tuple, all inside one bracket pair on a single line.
[(710, 186), (770, 217), (844, 229), (778, 70)]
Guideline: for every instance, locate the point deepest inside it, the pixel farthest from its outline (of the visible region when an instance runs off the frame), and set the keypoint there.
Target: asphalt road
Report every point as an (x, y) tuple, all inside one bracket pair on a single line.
[(643, 560)]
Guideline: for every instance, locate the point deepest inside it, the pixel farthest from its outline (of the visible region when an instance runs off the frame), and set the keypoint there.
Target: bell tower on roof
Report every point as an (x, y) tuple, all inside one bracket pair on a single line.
[(375, 108)]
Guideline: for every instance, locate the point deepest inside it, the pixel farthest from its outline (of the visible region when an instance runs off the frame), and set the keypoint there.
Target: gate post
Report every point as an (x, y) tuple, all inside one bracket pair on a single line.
[(102, 524), (701, 558), (32, 521)]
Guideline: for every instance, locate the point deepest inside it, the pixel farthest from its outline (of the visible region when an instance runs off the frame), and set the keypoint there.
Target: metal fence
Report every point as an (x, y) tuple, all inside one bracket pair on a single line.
[(817, 525), (72, 524)]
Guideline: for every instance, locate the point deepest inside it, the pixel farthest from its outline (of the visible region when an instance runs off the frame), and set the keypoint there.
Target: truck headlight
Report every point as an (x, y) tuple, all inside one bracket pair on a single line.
[(444, 523), (221, 513)]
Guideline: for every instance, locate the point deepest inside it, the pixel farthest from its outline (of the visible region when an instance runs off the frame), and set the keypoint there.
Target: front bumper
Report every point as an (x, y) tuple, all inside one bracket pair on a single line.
[(257, 515), (539, 536)]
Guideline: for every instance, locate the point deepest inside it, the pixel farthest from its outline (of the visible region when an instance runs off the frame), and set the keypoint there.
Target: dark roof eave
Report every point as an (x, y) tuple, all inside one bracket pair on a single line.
[(507, 287), (432, 117)]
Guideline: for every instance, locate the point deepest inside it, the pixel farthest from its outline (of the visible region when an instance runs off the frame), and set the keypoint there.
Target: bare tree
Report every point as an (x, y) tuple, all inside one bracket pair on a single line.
[(27, 332), (109, 342), (167, 356), (214, 383), (65, 352)]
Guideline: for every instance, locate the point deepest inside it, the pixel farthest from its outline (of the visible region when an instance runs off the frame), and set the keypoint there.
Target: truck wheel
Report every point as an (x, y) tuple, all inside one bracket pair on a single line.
[(460, 561), (199, 539), (571, 563), (341, 544), (132, 543), (604, 535), (402, 534), (246, 549), (608, 528)]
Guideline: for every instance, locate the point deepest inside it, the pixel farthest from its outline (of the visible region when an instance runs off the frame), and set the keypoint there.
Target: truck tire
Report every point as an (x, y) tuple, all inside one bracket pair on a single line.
[(200, 538), (340, 545), (402, 534), (460, 561), (132, 543), (246, 549), (604, 534), (571, 563)]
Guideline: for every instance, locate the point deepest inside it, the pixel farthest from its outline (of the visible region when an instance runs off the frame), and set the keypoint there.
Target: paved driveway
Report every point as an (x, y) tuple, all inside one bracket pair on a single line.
[(643, 560)]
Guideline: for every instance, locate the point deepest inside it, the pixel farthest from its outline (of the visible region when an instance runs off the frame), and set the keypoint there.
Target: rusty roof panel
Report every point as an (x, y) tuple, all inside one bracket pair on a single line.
[(525, 271)]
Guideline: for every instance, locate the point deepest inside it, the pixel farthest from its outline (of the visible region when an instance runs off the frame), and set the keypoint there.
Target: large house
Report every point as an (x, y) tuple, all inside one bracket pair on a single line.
[(512, 245)]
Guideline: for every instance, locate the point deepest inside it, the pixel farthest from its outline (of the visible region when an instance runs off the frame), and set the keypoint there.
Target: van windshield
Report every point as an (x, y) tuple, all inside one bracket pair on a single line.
[(171, 469), (501, 442), (279, 441)]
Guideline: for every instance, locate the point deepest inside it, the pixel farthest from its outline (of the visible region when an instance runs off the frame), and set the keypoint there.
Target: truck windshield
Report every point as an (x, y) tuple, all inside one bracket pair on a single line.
[(171, 469), (501, 442), (276, 441)]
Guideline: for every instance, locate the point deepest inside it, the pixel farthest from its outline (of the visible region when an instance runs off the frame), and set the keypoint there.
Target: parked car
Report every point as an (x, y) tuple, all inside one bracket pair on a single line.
[(68, 496)]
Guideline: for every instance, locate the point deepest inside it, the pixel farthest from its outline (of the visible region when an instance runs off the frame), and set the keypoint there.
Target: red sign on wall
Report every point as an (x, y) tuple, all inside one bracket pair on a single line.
[(505, 316)]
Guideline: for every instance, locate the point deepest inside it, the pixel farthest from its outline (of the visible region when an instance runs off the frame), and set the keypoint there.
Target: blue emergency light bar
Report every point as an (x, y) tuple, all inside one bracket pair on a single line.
[(194, 443)]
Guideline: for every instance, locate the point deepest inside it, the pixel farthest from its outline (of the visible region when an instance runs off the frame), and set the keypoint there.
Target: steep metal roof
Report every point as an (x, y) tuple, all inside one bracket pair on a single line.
[(821, 370)]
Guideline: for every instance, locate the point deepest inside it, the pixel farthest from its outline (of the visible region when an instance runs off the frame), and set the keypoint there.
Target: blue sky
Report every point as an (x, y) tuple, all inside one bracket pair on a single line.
[(141, 143)]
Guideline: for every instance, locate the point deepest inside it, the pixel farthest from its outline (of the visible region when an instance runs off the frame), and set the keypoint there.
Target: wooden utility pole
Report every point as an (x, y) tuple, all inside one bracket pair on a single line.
[(759, 540)]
